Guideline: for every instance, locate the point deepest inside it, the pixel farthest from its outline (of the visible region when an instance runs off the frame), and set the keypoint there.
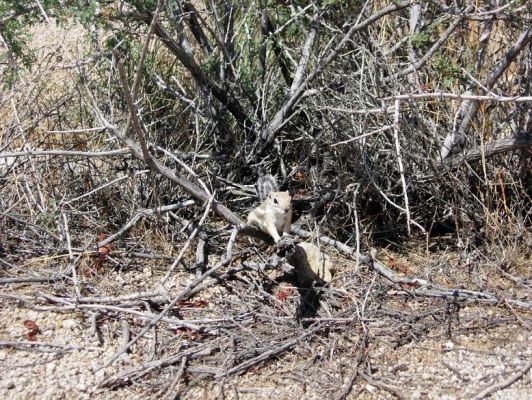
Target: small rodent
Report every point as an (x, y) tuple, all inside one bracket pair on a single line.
[(274, 215)]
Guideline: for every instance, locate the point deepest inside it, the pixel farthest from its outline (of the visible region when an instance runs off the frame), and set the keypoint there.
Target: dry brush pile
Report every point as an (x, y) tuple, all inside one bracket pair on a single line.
[(130, 147)]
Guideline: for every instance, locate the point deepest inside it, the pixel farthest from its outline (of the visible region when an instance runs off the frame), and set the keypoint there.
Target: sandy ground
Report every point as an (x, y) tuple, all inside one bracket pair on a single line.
[(488, 345)]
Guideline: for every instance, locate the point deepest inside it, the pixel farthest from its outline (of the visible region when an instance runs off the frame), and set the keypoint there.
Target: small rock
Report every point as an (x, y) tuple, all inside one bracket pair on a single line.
[(50, 368), (311, 264), (370, 388), (147, 272), (69, 324)]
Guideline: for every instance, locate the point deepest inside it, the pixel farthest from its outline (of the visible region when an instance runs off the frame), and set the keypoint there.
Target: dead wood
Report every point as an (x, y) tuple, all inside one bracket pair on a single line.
[(520, 141), (137, 373), (426, 288), (458, 136), (196, 71), (189, 187), (285, 111), (362, 350), (381, 385), (504, 384)]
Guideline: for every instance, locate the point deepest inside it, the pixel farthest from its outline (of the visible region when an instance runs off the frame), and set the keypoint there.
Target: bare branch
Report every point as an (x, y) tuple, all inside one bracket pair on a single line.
[(139, 215), (68, 153), (469, 108), (465, 96), (521, 141), (155, 165), (504, 384), (442, 39), (165, 311), (285, 111), (133, 111), (201, 78), (188, 242), (305, 55)]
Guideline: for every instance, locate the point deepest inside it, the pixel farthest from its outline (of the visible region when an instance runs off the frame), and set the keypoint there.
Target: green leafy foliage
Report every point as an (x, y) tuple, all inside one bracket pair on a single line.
[(144, 5), (18, 16), (448, 71), (420, 39)]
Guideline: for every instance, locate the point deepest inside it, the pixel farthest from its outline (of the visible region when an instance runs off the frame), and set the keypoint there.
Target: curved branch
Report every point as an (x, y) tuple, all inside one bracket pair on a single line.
[(521, 141), (221, 94)]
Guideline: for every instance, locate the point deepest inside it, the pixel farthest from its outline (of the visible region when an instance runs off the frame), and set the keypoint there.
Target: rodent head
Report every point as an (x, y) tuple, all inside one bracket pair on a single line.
[(280, 201)]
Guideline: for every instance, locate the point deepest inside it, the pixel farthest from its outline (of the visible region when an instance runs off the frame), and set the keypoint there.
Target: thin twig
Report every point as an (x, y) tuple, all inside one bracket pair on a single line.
[(67, 153), (504, 384), (381, 385), (441, 40), (139, 215), (189, 241), (265, 355), (31, 225), (31, 279), (137, 372), (169, 393), (95, 190), (133, 110), (29, 345), (400, 161), (458, 96), (359, 357), (352, 139)]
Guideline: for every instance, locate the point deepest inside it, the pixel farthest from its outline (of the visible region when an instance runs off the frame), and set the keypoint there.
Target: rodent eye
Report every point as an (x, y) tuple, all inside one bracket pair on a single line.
[(275, 201)]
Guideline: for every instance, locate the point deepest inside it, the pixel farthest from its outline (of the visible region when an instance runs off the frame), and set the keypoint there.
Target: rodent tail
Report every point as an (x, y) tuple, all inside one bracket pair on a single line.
[(266, 184)]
